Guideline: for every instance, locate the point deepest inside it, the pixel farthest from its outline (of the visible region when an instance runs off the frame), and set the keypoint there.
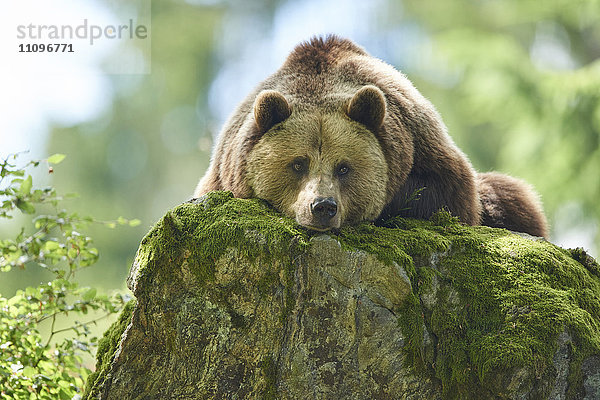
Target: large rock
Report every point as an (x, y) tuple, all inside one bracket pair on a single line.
[(235, 301)]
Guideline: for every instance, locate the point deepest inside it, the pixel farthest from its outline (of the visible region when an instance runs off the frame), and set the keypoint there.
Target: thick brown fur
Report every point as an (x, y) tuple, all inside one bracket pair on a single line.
[(321, 77), (510, 203)]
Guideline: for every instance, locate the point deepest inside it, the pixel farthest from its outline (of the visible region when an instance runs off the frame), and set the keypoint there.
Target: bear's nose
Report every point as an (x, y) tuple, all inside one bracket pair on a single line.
[(324, 208)]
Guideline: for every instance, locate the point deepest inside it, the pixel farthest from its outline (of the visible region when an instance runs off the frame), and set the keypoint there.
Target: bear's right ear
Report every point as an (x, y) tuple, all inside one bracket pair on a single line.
[(270, 108), (367, 106)]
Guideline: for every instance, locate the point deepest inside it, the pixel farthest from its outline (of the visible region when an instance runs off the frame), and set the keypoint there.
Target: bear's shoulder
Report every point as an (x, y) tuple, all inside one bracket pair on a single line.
[(318, 54)]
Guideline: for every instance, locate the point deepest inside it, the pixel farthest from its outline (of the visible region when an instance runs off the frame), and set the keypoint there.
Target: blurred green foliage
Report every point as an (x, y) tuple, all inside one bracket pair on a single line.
[(521, 93), (142, 157), (36, 364)]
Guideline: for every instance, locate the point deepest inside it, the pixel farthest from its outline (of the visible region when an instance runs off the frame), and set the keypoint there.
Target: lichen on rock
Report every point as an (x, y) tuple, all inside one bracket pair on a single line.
[(234, 300)]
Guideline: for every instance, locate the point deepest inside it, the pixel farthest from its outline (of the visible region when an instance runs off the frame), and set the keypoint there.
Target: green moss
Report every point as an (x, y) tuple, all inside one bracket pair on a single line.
[(586, 260), (411, 321), (500, 300), (269, 370), (106, 351), (201, 233)]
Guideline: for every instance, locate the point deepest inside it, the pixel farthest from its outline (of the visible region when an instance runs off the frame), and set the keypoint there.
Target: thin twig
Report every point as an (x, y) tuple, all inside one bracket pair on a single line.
[(81, 324)]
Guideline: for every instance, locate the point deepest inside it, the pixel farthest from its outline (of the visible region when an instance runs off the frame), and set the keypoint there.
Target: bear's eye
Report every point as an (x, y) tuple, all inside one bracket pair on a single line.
[(343, 169), (298, 165)]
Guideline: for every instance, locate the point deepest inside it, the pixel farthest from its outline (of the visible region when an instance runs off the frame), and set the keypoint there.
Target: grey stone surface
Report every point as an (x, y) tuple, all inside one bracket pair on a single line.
[(322, 323)]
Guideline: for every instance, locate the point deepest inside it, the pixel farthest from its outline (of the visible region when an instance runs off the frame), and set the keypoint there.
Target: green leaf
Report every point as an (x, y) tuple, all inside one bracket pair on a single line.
[(72, 253), (56, 158), (26, 186), (29, 371), (89, 294), (51, 245), (64, 395), (134, 222), (26, 207)]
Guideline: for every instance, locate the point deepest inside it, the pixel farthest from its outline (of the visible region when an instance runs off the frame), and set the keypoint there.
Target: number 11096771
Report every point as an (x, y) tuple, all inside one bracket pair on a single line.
[(46, 48)]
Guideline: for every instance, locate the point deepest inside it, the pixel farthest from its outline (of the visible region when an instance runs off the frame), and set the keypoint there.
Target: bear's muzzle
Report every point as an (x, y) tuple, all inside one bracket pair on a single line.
[(324, 209)]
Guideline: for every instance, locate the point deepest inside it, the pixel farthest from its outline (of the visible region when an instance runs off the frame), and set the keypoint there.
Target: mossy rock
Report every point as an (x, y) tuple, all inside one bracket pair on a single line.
[(234, 300)]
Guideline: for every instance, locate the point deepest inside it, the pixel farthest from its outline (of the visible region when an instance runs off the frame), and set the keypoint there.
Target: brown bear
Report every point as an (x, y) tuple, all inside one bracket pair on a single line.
[(336, 136)]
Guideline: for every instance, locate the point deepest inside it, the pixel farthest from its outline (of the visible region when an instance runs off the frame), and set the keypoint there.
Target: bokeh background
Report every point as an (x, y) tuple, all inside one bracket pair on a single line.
[(516, 81)]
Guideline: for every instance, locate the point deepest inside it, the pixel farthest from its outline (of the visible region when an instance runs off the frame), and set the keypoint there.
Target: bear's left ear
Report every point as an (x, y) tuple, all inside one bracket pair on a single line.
[(368, 107), (270, 108)]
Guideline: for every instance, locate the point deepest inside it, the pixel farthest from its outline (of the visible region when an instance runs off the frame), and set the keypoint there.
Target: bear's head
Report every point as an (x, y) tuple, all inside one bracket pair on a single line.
[(322, 166)]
